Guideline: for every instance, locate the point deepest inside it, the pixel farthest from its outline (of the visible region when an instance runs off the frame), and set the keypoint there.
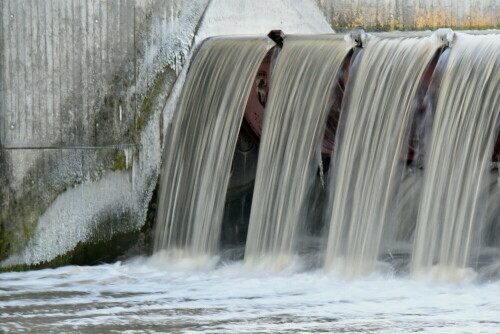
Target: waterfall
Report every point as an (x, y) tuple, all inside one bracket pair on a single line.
[(455, 181), (200, 143), (409, 175), (295, 118), (368, 159)]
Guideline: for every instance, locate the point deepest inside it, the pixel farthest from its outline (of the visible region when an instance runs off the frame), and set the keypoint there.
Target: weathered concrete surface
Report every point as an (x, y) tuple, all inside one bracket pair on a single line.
[(411, 14), (82, 86)]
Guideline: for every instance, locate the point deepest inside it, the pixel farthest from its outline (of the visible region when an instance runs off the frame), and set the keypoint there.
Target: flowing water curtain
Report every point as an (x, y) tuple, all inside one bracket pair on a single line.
[(368, 161), (407, 198), (454, 191), (294, 125), (200, 143)]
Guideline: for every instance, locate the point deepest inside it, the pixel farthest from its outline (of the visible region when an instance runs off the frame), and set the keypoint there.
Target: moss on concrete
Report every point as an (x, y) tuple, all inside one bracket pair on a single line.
[(22, 218), (160, 87), (87, 253), (120, 162), (107, 245)]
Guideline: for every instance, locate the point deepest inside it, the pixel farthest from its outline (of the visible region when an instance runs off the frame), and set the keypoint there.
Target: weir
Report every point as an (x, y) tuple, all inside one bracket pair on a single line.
[(408, 123), (159, 173), (200, 143), (455, 186), (293, 128)]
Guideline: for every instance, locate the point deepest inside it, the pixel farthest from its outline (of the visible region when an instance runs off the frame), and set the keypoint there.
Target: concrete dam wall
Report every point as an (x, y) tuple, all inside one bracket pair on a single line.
[(82, 87), (87, 89)]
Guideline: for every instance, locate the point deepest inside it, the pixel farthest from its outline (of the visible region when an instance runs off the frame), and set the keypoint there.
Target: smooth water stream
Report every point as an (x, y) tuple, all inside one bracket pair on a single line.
[(456, 185), (200, 144), (294, 124), (368, 161)]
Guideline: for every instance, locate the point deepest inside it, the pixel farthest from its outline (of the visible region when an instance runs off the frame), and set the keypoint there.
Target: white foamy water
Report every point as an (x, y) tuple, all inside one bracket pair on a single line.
[(154, 296)]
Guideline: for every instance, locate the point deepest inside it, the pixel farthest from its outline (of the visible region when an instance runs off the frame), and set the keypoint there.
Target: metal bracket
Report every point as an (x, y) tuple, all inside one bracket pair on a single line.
[(277, 36)]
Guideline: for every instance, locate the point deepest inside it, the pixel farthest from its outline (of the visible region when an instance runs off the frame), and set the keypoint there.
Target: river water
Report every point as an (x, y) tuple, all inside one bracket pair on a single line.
[(149, 295)]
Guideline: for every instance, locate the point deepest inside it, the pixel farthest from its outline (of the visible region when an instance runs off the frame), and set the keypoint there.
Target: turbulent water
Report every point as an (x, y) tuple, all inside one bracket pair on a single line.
[(200, 144), (295, 119), (144, 297), (450, 220), (368, 156)]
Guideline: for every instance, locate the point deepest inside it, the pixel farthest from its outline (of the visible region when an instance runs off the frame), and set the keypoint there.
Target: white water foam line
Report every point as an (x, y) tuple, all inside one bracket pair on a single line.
[(140, 296)]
